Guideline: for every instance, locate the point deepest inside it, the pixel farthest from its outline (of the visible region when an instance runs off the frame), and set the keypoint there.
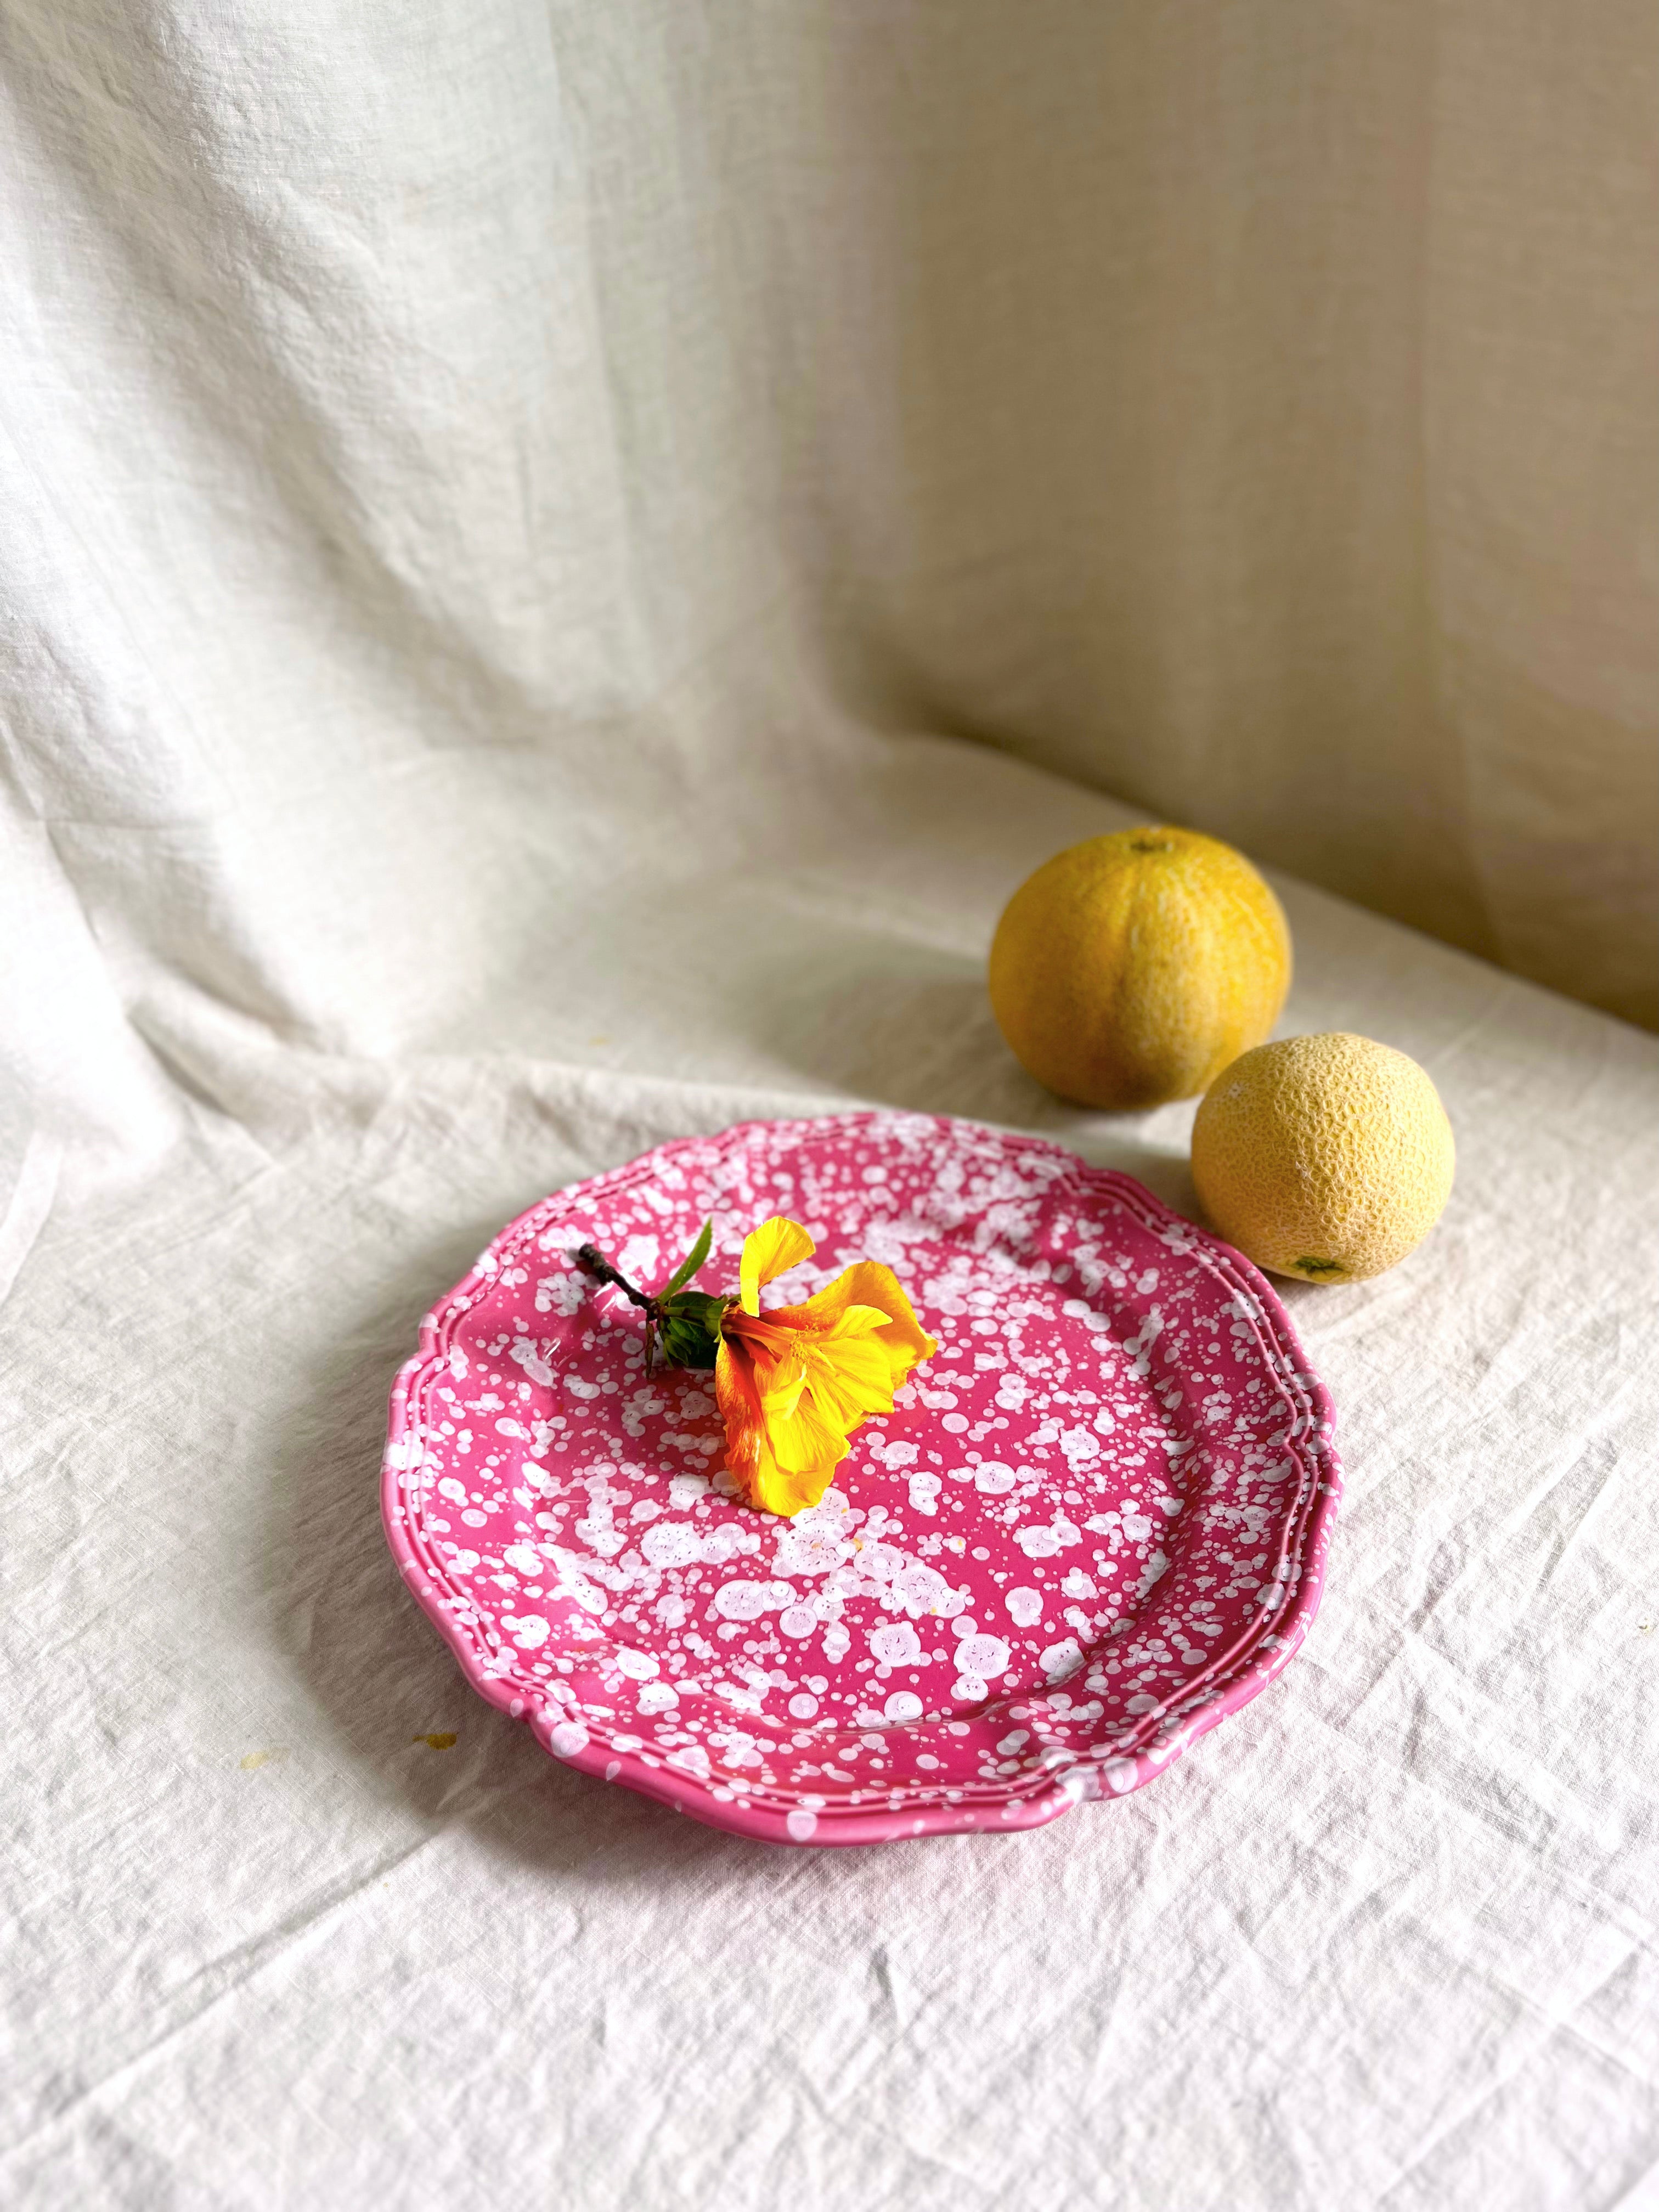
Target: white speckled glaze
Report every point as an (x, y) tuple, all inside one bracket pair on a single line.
[(1095, 1523)]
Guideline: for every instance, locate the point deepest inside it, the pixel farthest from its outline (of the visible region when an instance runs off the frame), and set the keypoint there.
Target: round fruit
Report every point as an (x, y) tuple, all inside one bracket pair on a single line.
[(1131, 969), (1326, 1157)]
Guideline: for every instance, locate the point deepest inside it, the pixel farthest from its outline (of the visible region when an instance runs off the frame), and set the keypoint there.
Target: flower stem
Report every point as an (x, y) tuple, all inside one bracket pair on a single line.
[(592, 1261), (682, 1326)]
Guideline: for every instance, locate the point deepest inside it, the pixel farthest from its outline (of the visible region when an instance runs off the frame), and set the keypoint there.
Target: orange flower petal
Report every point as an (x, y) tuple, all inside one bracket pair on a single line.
[(739, 1399), (850, 1380), (803, 1453), (793, 1384), (772, 1249), (866, 1283)]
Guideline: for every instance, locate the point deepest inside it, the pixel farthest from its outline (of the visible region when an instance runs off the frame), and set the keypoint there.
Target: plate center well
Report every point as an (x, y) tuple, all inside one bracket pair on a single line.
[(1010, 1516)]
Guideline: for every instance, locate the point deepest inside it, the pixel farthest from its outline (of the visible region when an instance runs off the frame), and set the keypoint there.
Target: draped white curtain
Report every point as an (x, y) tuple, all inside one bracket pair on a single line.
[(1255, 410), (1246, 409)]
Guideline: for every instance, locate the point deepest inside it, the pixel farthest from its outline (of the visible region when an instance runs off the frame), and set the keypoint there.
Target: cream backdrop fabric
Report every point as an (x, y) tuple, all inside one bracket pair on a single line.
[(518, 524)]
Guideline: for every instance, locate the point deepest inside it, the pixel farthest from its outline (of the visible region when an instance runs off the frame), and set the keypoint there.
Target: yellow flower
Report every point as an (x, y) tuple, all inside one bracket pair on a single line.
[(793, 1384)]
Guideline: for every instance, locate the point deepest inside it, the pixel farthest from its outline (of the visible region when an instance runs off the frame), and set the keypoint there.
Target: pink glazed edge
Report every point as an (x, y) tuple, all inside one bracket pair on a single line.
[(1036, 1806)]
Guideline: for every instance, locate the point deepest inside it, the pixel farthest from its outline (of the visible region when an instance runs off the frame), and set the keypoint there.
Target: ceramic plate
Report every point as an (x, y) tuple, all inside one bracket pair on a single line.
[(1094, 1524)]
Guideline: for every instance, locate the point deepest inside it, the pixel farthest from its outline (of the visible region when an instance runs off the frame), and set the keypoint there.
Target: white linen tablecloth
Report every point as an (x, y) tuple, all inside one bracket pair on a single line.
[(1384, 1938)]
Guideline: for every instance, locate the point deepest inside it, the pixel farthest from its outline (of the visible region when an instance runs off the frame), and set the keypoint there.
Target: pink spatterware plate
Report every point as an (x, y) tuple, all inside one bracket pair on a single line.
[(1094, 1524)]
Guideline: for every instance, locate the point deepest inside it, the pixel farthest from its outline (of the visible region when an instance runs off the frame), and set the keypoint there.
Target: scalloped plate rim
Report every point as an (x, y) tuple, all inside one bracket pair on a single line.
[(1041, 1799)]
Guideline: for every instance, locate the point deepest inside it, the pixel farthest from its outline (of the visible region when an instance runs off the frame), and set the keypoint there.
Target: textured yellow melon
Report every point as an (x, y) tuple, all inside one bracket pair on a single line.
[(1327, 1158), (1131, 969)]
